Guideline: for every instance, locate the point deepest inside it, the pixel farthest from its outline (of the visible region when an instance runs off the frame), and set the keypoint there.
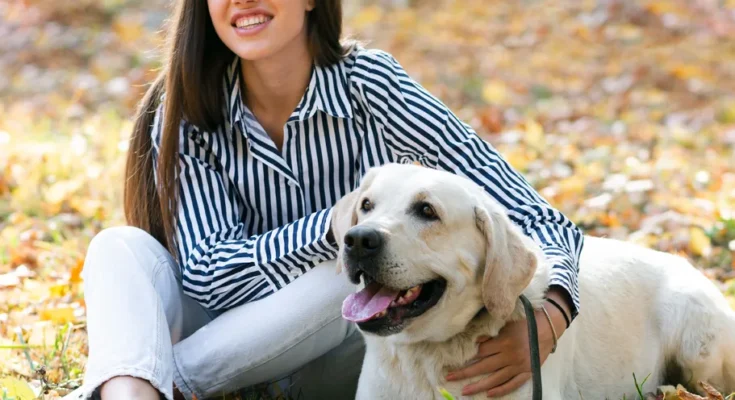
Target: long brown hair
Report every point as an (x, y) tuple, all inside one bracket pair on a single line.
[(195, 60)]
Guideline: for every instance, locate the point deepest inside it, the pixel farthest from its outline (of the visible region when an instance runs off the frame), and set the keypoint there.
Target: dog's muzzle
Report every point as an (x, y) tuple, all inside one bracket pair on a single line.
[(363, 247), (362, 242)]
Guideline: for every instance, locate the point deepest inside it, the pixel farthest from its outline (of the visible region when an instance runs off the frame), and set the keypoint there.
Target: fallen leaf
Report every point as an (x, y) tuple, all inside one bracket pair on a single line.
[(76, 271), (495, 92), (668, 392), (699, 243), (534, 136), (684, 395), (492, 120), (59, 315), (58, 290), (712, 393), (16, 389)]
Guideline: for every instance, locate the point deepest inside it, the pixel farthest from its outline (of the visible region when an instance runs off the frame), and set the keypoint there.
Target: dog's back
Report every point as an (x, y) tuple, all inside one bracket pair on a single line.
[(648, 313)]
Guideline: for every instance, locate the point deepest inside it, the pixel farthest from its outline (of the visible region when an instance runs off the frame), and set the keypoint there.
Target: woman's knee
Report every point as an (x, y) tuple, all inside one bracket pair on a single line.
[(112, 245)]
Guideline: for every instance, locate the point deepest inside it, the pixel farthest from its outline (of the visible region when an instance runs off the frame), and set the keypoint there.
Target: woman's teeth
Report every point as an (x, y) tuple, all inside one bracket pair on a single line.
[(249, 22)]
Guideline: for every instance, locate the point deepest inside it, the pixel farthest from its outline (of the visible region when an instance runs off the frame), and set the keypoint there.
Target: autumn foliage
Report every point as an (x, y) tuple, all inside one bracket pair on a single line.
[(621, 113)]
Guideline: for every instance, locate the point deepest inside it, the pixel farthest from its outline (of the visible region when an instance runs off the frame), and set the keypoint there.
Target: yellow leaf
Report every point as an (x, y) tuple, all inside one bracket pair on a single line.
[(669, 392), (573, 186), (62, 190), (129, 29), (16, 389), (60, 315), (495, 92), (534, 134), (58, 290), (660, 7), (726, 114), (518, 159), (686, 71), (699, 243)]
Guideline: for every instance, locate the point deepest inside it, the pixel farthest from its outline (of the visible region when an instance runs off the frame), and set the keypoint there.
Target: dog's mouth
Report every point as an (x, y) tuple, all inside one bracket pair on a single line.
[(378, 304)]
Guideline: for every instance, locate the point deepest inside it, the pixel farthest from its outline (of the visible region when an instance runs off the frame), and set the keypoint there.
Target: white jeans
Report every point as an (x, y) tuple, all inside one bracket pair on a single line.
[(141, 324)]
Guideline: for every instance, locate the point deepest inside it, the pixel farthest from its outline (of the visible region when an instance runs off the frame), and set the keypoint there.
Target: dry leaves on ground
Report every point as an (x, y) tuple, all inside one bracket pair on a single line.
[(621, 113)]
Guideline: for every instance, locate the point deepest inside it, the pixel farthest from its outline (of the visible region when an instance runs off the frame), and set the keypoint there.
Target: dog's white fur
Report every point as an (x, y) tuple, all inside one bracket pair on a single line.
[(641, 309)]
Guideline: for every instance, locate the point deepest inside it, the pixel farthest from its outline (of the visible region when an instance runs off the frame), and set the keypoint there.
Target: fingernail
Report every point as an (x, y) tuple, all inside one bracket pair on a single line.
[(450, 377), (481, 339), (466, 391)]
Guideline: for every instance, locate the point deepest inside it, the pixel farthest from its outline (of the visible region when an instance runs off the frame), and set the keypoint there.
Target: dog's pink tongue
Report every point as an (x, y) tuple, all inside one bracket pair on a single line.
[(360, 306)]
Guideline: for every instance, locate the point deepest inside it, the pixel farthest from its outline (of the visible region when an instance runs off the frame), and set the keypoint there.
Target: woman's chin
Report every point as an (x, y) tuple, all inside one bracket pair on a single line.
[(255, 50)]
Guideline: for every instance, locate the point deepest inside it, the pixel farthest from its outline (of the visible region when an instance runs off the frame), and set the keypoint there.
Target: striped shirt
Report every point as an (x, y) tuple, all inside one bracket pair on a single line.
[(251, 218)]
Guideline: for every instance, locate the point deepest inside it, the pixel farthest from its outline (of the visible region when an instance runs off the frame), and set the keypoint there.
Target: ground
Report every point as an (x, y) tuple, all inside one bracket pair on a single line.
[(621, 113)]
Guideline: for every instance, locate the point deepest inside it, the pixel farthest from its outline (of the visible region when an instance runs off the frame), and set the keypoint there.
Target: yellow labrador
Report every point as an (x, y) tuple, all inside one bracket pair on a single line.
[(431, 251)]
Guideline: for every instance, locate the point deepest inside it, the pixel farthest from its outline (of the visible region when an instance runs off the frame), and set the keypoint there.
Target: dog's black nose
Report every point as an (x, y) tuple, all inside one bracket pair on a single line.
[(361, 241)]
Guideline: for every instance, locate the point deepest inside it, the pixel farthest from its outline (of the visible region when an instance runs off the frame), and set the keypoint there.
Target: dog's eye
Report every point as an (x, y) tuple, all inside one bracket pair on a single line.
[(366, 205), (428, 212)]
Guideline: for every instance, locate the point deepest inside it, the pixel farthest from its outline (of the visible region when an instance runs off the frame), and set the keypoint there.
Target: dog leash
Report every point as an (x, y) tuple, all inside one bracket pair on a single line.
[(533, 344)]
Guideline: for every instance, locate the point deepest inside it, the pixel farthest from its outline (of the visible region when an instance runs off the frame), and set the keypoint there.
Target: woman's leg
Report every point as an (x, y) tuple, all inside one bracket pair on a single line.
[(135, 311), (297, 329)]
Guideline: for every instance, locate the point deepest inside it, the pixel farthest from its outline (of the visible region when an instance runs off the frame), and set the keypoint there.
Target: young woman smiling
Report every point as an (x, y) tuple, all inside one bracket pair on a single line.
[(260, 120)]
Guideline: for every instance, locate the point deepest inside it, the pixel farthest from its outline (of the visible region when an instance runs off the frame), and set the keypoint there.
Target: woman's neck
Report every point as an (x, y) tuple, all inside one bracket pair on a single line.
[(274, 86)]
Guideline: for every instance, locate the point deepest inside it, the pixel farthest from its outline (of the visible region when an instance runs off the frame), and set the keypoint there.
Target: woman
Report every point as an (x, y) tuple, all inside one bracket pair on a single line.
[(260, 121)]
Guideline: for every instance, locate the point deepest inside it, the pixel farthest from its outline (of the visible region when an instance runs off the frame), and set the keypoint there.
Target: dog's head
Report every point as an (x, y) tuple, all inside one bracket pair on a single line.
[(431, 249)]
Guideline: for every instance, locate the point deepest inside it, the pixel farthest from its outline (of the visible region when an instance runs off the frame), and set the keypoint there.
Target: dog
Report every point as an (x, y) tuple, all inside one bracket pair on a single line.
[(440, 264)]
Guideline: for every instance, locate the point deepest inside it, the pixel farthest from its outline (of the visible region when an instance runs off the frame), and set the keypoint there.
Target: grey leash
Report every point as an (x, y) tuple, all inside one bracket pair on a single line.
[(533, 343)]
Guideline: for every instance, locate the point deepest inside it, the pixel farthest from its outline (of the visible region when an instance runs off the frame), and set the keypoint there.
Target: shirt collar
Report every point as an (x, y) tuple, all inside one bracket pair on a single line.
[(328, 91)]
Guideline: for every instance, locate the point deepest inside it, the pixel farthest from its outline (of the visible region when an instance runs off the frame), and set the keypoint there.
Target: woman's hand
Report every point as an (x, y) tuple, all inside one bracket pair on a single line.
[(505, 359)]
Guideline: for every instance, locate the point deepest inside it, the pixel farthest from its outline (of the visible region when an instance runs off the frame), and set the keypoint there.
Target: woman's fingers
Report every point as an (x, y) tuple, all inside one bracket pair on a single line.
[(509, 386), (482, 367), (490, 382)]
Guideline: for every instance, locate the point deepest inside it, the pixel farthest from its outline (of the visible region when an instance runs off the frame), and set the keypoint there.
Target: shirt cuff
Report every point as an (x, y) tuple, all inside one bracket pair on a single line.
[(330, 246), (564, 278)]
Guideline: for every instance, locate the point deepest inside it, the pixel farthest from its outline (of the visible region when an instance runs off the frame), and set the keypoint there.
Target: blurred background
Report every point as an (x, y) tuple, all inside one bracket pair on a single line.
[(620, 112)]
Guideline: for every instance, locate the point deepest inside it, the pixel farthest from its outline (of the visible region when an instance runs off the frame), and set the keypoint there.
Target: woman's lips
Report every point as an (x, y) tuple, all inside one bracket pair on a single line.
[(251, 24)]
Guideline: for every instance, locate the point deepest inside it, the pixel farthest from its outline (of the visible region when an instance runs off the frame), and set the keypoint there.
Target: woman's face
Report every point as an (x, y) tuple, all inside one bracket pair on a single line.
[(257, 29)]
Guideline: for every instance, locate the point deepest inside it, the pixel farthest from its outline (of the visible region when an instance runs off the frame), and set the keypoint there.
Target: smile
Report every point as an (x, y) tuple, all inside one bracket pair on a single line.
[(378, 308), (252, 21)]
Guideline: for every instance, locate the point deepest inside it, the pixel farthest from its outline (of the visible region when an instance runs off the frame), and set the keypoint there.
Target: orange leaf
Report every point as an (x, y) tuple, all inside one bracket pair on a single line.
[(76, 271)]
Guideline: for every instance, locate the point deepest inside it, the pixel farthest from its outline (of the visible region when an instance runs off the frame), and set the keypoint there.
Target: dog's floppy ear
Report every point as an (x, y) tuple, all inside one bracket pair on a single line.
[(509, 262), (344, 215)]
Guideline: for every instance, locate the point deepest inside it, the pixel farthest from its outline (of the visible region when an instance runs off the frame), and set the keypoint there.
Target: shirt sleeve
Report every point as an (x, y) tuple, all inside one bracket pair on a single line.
[(418, 126), (222, 264)]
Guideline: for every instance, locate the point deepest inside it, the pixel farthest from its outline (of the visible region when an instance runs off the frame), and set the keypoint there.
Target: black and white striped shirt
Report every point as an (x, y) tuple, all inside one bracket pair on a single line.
[(252, 218)]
